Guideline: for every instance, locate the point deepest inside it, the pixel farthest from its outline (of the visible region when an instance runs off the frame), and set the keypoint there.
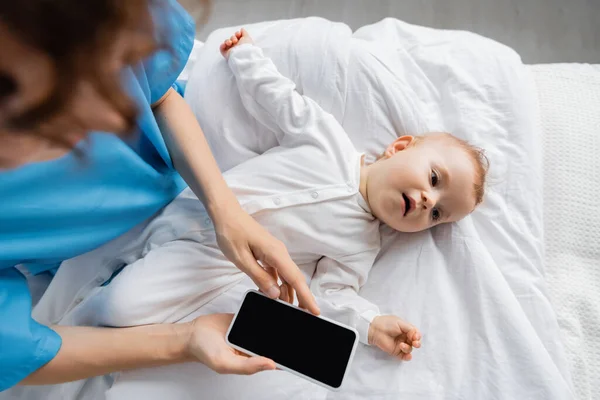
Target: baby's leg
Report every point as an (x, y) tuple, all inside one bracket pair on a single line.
[(169, 283)]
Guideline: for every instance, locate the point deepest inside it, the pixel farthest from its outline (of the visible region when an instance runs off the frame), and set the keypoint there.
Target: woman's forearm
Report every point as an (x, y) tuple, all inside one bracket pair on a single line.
[(241, 239), (86, 352), (191, 154)]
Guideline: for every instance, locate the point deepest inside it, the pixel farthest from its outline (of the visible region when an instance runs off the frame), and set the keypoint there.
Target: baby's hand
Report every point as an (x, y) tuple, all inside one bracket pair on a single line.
[(394, 336), (240, 37)]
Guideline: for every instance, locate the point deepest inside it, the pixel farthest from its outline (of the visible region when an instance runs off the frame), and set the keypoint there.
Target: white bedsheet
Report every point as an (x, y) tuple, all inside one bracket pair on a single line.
[(476, 289), (570, 108)]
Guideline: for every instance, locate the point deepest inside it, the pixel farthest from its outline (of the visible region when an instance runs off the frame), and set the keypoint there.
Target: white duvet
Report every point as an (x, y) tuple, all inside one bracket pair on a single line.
[(475, 289)]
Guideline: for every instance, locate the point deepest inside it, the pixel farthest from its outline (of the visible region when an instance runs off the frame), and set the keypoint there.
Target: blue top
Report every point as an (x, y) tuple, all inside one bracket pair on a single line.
[(58, 209)]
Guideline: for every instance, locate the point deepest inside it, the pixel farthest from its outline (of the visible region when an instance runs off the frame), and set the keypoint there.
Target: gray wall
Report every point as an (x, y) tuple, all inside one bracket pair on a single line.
[(542, 31)]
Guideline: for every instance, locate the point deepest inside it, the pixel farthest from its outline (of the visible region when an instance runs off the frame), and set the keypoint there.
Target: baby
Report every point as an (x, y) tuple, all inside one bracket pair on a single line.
[(314, 193)]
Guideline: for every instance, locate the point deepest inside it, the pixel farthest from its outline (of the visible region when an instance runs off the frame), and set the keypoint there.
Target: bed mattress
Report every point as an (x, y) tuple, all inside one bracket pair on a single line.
[(569, 103)]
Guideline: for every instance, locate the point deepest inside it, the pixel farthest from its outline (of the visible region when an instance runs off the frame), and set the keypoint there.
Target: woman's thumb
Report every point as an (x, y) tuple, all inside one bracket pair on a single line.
[(252, 365)]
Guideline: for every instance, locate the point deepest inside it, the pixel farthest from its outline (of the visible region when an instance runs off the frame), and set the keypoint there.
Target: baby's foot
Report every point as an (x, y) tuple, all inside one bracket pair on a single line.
[(240, 37)]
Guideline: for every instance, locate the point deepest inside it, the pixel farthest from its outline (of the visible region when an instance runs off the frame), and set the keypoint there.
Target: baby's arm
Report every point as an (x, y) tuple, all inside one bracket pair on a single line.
[(336, 284), (273, 100)]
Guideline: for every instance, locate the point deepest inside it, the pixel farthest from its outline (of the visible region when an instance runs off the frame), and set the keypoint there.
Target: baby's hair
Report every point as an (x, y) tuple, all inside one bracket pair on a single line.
[(477, 155)]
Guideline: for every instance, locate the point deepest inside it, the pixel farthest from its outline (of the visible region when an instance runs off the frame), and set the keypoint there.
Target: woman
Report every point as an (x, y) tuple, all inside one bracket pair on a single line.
[(70, 70)]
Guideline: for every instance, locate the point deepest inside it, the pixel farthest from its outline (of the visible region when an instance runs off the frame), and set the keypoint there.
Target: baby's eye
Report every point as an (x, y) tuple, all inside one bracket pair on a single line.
[(434, 178), (435, 214)]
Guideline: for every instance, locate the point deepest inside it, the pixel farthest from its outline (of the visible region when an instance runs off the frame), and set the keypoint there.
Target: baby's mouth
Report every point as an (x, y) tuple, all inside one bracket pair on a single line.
[(406, 204)]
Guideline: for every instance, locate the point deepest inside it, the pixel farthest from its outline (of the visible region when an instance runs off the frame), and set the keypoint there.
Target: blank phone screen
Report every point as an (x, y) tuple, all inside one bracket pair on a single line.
[(293, 338)]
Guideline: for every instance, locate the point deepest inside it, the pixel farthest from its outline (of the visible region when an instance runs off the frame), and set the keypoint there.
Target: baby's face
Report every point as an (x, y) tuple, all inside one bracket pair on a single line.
[(419, 185)]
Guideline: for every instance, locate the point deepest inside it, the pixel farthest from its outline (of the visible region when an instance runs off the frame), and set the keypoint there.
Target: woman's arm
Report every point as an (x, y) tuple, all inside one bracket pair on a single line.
[(87, 352), (240, 237)]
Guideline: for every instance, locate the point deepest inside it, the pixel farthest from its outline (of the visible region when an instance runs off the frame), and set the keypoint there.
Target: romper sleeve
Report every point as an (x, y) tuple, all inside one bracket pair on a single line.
[(272, 99), (25, 345), (336, 283)]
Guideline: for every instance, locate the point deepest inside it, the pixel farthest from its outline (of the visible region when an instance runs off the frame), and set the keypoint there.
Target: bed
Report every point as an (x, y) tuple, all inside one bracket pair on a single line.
[(569, 99), (507, 299), (486, 292)]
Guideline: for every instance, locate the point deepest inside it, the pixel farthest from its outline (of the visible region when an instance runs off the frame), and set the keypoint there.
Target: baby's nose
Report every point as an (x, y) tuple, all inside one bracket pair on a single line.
[(427, 200)]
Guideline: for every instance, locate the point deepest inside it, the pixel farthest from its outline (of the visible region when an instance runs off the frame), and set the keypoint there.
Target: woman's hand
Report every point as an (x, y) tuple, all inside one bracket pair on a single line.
[(244, 241), (241, 238), (87, 352), (207, 345)]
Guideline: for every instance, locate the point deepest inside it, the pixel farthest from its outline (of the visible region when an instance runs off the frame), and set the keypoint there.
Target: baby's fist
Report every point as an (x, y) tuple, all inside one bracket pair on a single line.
[(394, 336), (240, 37)]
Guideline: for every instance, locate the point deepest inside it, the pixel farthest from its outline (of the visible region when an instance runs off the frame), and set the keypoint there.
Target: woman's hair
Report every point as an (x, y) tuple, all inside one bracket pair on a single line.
[(77, 36)]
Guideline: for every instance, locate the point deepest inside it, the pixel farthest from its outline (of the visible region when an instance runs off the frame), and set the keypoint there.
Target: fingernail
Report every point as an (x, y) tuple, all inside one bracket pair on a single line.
[(273, 292)]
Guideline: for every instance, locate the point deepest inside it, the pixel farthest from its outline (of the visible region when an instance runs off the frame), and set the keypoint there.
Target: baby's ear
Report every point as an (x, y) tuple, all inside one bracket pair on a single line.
[(399, 144)]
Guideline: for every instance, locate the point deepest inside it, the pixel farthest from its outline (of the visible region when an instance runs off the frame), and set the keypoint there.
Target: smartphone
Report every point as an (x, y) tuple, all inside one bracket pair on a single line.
[(315, 348)]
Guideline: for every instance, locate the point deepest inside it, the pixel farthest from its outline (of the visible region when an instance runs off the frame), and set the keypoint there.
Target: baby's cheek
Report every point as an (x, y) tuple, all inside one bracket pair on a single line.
[(388, 212), (426, 222)]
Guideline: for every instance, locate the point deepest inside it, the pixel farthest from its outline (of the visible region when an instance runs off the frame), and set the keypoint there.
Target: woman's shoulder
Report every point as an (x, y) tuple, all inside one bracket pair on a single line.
[(175, 30)]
